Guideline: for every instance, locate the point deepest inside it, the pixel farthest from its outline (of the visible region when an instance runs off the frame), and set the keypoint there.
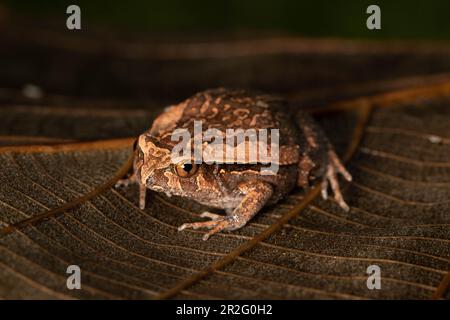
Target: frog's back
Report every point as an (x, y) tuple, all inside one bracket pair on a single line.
[(224, 109)]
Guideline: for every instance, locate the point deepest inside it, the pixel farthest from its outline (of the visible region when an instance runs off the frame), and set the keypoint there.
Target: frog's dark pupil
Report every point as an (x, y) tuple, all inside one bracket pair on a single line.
[(187, 167)]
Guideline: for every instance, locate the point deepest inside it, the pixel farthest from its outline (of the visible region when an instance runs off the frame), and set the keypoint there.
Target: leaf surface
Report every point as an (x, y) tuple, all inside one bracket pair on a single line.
[(61, 154), (398, 220)]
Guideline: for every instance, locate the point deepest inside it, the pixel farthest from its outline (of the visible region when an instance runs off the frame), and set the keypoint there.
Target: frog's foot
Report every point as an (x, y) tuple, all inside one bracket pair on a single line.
[(218, 223), (304, 169), (334, 167), (124, 182), (142, 189), (129, 180)]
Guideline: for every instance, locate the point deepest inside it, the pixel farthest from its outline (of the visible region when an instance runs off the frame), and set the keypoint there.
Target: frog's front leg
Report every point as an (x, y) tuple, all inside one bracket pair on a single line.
[(256, 194)]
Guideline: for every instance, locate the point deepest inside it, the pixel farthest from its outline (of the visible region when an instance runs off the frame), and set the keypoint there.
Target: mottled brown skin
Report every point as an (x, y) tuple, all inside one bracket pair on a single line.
[(240, 189)]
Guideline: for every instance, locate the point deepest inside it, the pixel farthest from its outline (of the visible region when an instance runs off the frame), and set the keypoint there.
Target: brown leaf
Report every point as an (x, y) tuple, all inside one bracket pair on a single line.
[(398, 220), (61, 154)]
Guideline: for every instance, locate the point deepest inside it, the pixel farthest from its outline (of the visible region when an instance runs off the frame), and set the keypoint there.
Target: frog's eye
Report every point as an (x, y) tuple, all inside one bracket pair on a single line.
[(185, 169)]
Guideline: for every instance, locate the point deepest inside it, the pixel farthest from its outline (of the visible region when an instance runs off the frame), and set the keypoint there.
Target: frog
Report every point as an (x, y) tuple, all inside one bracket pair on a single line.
[(240, 190)]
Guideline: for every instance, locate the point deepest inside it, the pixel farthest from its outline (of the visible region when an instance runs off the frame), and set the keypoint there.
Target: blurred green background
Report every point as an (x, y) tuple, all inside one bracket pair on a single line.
[(400, 18)]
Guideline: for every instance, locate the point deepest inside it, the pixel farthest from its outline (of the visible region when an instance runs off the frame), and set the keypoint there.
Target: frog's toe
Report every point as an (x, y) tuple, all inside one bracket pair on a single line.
[(325, 188), (340, 200), (212, 216), (223, 224), (338, 166), (338, 195), (122, 183), (331, 179), (219, 223), (198, 225)]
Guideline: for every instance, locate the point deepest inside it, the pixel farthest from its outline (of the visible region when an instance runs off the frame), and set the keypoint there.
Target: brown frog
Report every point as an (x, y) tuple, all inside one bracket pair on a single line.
[(241, 189)]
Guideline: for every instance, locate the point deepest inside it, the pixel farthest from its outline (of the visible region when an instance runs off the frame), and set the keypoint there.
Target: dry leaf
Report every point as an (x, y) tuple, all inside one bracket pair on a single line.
[(398, 220), (57, 207)]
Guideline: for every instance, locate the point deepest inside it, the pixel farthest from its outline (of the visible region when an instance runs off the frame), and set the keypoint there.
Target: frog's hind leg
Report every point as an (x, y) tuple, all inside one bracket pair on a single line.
[(312, 142), (305, 166), (318, 159)]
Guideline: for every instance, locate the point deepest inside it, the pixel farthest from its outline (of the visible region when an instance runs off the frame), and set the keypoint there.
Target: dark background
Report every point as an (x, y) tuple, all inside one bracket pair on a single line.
[(153, 53), (400, 18)]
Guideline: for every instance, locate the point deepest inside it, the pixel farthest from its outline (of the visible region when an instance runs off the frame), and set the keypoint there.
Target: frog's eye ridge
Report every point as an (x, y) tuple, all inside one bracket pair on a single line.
[(186, 169)]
